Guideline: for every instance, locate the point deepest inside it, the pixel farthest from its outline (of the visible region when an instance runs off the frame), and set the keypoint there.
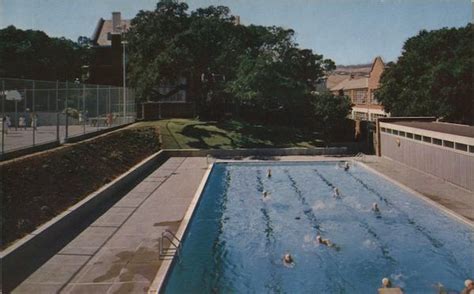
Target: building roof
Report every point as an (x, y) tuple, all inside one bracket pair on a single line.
[(352, 83), (334, 79), (353, 69), (447, 128), (102, 30)]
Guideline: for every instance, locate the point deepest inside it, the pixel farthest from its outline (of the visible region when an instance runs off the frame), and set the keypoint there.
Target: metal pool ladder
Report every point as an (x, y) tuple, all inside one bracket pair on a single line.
[(174, 245)]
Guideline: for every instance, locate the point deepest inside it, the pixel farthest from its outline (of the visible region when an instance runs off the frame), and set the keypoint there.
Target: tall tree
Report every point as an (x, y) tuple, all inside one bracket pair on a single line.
[(34, 55), (330, 112), (258, 66), (433, 77)]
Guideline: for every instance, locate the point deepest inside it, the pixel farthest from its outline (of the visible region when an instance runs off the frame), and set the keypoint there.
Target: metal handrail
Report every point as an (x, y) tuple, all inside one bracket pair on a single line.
[(177, 247)]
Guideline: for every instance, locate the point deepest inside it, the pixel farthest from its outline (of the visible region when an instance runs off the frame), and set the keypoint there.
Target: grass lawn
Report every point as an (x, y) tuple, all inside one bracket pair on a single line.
[(188, 133)]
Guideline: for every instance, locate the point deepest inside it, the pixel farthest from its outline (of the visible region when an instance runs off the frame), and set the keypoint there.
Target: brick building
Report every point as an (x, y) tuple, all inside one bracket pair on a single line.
[(107, 65), (360, 86)]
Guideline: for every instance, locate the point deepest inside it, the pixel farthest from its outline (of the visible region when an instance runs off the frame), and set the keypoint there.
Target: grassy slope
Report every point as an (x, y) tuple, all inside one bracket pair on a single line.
[(39, 187), (187, 133)]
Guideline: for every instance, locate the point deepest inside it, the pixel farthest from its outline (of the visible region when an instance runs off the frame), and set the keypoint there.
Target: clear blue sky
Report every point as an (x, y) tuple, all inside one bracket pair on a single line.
[(349, 32)]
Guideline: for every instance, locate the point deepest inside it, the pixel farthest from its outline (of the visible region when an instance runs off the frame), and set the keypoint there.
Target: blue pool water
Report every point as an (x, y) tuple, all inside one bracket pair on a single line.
[(236, 239)]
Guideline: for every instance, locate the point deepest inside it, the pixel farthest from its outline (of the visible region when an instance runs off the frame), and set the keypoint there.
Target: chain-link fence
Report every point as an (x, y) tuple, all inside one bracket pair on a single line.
[(38, 112)]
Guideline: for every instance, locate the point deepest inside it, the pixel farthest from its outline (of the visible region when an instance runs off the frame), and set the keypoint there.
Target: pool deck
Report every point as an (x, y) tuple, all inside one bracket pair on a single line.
[(119, 252)]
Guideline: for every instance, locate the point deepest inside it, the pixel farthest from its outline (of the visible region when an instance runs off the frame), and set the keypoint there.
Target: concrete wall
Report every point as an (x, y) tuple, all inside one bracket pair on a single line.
[(451, 165)]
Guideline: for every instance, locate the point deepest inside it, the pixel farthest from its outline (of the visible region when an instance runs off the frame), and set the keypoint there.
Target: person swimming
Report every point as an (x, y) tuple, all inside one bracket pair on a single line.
[(269, 173), (327, 243), (375, 207), (320, 240), (265, 194), (386, 283), (288, 259), (346, 166), (335, 193)]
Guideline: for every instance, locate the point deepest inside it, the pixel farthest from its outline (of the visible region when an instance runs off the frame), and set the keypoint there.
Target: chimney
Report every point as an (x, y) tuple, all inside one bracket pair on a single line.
[(237, 20), (116, 22)]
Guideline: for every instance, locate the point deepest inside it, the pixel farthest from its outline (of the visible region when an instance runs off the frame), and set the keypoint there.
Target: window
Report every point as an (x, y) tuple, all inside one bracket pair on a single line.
[(410, 135), (437, 141), (360, 115), (401, 133), (471, 149), (389, 131), (448, 144), (417, 137), (460, 146), (426, 139), (360, 96), (383, 130), (395, 132), (376, 115)]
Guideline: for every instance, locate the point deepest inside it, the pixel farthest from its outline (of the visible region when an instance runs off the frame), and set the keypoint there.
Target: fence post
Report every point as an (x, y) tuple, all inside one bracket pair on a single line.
[(57, 111), (16, 115), (34, 118), (109, 122), (97, 112), (25, 107), (3, 116), (84, 108), (66, 108)]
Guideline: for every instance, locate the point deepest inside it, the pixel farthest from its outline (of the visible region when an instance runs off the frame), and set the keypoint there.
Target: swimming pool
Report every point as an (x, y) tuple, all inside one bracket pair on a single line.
[(237, 238)]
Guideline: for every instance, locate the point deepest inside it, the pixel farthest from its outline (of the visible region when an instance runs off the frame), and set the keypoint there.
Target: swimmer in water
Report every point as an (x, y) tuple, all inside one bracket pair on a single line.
[(375, 207), (386, 283), (327, 243), (346, 166), (269, 173), (320, 240), (469, 287), (335, 193), (288, 259), (265, 194)]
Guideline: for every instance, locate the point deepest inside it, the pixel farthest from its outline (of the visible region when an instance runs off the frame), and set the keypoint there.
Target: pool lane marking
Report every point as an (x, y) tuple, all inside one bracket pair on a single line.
[(444, 209), (384, 248), (308, 211), (270, 238), (312, 217), (434, 242), (423, 231)]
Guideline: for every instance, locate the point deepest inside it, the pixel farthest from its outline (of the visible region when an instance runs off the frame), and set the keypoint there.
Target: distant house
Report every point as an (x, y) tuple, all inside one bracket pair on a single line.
[(107, 65), (360, 84)]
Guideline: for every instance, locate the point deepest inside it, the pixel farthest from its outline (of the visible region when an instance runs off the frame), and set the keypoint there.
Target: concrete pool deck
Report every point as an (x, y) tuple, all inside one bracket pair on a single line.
[(119, 252)]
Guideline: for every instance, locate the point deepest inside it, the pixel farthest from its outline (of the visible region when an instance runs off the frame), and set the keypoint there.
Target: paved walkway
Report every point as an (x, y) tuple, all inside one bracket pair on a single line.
[(119, 252), (453, 197)]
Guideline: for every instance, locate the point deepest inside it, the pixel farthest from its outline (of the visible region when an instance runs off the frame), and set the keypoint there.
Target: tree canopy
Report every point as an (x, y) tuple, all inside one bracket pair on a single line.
[(33, 54), (223, 62), (433, 76)]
